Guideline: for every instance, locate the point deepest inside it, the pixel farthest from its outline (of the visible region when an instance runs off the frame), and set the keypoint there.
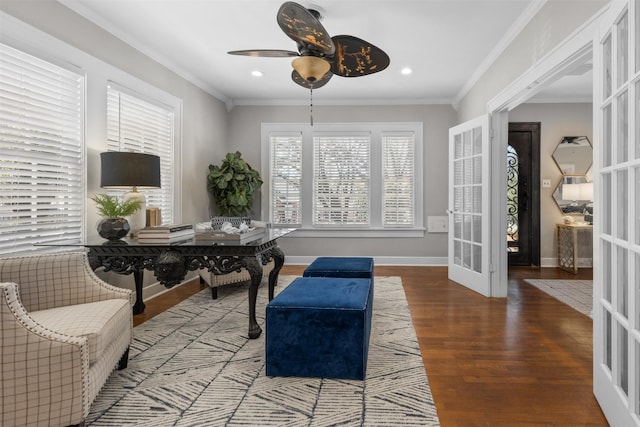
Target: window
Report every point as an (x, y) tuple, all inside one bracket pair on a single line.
[(143, 126), (398, 177), (341, 180), (286, 179), (41, 152), (362, 179)]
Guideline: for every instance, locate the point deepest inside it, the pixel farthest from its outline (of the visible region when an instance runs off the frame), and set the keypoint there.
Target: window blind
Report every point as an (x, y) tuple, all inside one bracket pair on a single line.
[(286, 179), (41, 152), (398, 179), (136, 124), (341, 180)]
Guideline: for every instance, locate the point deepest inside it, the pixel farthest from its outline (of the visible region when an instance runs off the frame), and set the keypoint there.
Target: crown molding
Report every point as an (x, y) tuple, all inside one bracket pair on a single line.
[(335, 102), (145, 50), (513, 31)]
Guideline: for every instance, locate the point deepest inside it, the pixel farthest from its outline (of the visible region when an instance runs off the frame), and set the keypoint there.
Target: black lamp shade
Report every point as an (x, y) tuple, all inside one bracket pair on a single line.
[(122, 169)]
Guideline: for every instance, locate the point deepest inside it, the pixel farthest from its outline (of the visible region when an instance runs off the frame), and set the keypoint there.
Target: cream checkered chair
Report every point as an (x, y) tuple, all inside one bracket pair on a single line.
[(63, 332)]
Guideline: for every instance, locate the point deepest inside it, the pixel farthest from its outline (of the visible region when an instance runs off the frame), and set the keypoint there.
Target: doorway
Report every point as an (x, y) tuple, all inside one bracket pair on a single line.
[(523, 194)]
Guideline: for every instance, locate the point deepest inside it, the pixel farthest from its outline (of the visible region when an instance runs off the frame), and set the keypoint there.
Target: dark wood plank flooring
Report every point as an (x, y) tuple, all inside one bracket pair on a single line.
[(521, 361)]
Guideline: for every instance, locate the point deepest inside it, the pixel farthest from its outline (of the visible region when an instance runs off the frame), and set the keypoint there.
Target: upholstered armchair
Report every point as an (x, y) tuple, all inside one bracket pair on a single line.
[(63, 332)]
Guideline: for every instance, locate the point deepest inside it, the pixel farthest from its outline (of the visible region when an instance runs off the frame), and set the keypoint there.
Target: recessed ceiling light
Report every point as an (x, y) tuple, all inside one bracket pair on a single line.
[(256, 73), (406, 71)]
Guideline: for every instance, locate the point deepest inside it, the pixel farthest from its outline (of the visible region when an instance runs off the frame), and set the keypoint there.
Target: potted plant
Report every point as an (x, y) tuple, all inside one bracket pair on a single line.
[(233, 185), (114, 225)]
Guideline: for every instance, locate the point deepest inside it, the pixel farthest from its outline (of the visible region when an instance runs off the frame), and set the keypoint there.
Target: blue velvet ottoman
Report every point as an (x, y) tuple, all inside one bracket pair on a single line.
[(361, 267), (320, 327)]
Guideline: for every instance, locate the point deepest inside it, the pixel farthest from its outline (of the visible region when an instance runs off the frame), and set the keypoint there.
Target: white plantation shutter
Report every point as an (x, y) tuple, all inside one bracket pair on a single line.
[(344, 179), (341, 175), (398, 179), (142, 126), (41, 152), (286, 179)]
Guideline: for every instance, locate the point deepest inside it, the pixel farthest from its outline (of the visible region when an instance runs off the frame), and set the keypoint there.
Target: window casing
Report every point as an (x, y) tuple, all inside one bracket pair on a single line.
[(41, 152), (360, 179), (141, 125)]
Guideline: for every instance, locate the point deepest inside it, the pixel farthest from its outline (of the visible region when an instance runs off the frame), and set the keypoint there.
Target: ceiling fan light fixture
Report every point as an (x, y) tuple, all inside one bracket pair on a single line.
[(311, 68)]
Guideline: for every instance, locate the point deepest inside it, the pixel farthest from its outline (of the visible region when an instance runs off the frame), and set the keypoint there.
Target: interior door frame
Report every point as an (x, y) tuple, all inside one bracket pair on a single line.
[(572, 52)]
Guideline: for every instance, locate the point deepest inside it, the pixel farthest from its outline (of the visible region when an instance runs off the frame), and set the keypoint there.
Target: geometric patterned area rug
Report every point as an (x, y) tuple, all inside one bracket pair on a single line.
[(577, 294), (193, 365)]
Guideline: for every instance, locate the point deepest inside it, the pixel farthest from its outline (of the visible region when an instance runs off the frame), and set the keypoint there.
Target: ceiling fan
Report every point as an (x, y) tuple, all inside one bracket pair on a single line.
[(319, 56)]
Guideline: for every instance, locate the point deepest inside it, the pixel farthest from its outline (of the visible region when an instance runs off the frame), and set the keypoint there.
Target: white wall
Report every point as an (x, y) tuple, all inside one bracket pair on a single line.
[(556, 121), (244, 132)]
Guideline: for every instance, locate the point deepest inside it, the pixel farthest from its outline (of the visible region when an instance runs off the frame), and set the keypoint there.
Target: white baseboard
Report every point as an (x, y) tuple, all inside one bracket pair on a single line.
[(379, 260), (553, 262), (156, 289), (548, 262)]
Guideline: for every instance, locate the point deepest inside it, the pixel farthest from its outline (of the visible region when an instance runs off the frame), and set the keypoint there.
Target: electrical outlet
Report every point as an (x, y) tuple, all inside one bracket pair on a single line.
[(437, 224), (546, 183)]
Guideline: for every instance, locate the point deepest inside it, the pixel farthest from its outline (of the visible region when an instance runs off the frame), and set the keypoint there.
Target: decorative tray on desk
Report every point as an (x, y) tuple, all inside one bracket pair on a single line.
[(221, 235)]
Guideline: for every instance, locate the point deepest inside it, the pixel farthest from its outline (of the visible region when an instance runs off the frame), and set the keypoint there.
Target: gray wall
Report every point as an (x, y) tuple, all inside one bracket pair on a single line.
[(556, 121), (244, 132), (204, 118), (555, 21), (209, 132)]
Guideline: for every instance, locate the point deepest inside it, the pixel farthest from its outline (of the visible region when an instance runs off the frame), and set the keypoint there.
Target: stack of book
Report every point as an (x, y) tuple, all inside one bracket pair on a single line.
[(217, 235), (168, 233)]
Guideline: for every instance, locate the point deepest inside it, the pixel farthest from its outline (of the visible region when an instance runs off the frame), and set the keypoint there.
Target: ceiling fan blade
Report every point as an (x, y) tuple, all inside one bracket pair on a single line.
[(265, 53), (355, 57), (296, 77), (302, 26)]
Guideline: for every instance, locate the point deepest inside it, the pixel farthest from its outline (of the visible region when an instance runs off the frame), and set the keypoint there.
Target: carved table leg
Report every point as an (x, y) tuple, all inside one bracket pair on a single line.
[(278, 260), (138, 307), (254, 267)]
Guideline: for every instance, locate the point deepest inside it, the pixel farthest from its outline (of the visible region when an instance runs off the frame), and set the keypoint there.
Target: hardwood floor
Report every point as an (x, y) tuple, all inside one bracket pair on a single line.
[(521, 361)]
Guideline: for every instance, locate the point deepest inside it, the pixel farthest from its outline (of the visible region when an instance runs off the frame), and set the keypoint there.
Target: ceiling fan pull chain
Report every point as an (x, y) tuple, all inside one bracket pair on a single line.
[(311, 103)]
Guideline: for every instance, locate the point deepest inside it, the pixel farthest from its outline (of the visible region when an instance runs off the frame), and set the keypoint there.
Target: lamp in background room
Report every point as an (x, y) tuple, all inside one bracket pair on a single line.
[(574, 193), (586, 191), (571, 192), (131, 170)]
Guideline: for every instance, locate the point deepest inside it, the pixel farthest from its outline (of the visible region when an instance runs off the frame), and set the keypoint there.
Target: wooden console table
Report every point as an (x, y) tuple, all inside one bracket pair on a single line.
[(567, 239), (171, 262)]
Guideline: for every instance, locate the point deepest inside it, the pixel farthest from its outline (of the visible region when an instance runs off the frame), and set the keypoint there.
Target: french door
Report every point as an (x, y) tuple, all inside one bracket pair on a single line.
[(469, 205), (616, 299)]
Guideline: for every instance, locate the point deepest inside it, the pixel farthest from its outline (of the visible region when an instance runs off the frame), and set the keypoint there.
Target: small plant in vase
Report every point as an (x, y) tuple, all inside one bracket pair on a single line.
[(114, 224)]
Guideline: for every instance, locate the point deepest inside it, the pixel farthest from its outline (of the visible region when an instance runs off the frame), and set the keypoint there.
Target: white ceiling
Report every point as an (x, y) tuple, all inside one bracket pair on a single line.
[(445, 42)]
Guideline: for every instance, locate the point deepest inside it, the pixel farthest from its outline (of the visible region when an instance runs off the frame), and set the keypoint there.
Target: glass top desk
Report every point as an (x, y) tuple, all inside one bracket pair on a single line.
[(170, 262)]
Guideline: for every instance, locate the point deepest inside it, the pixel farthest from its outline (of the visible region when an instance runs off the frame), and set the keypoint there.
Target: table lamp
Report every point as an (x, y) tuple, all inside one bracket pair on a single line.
[(571, 192), (131, 170)]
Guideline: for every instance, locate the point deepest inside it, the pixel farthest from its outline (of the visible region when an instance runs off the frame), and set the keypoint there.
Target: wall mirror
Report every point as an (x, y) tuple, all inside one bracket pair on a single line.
[(573, 194), (574, 155)]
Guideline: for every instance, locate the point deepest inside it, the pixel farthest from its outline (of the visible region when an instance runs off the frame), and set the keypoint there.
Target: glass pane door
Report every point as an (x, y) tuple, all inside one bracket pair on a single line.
[(468, 205), (616, 301)]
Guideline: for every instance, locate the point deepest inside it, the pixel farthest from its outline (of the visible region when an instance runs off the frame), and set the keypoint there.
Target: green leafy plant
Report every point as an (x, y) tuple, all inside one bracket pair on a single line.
[(233, 185), (111, 207)]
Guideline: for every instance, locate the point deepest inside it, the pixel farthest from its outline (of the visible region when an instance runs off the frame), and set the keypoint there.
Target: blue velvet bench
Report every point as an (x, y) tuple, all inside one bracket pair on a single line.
[(354, 267), (320, 327)]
